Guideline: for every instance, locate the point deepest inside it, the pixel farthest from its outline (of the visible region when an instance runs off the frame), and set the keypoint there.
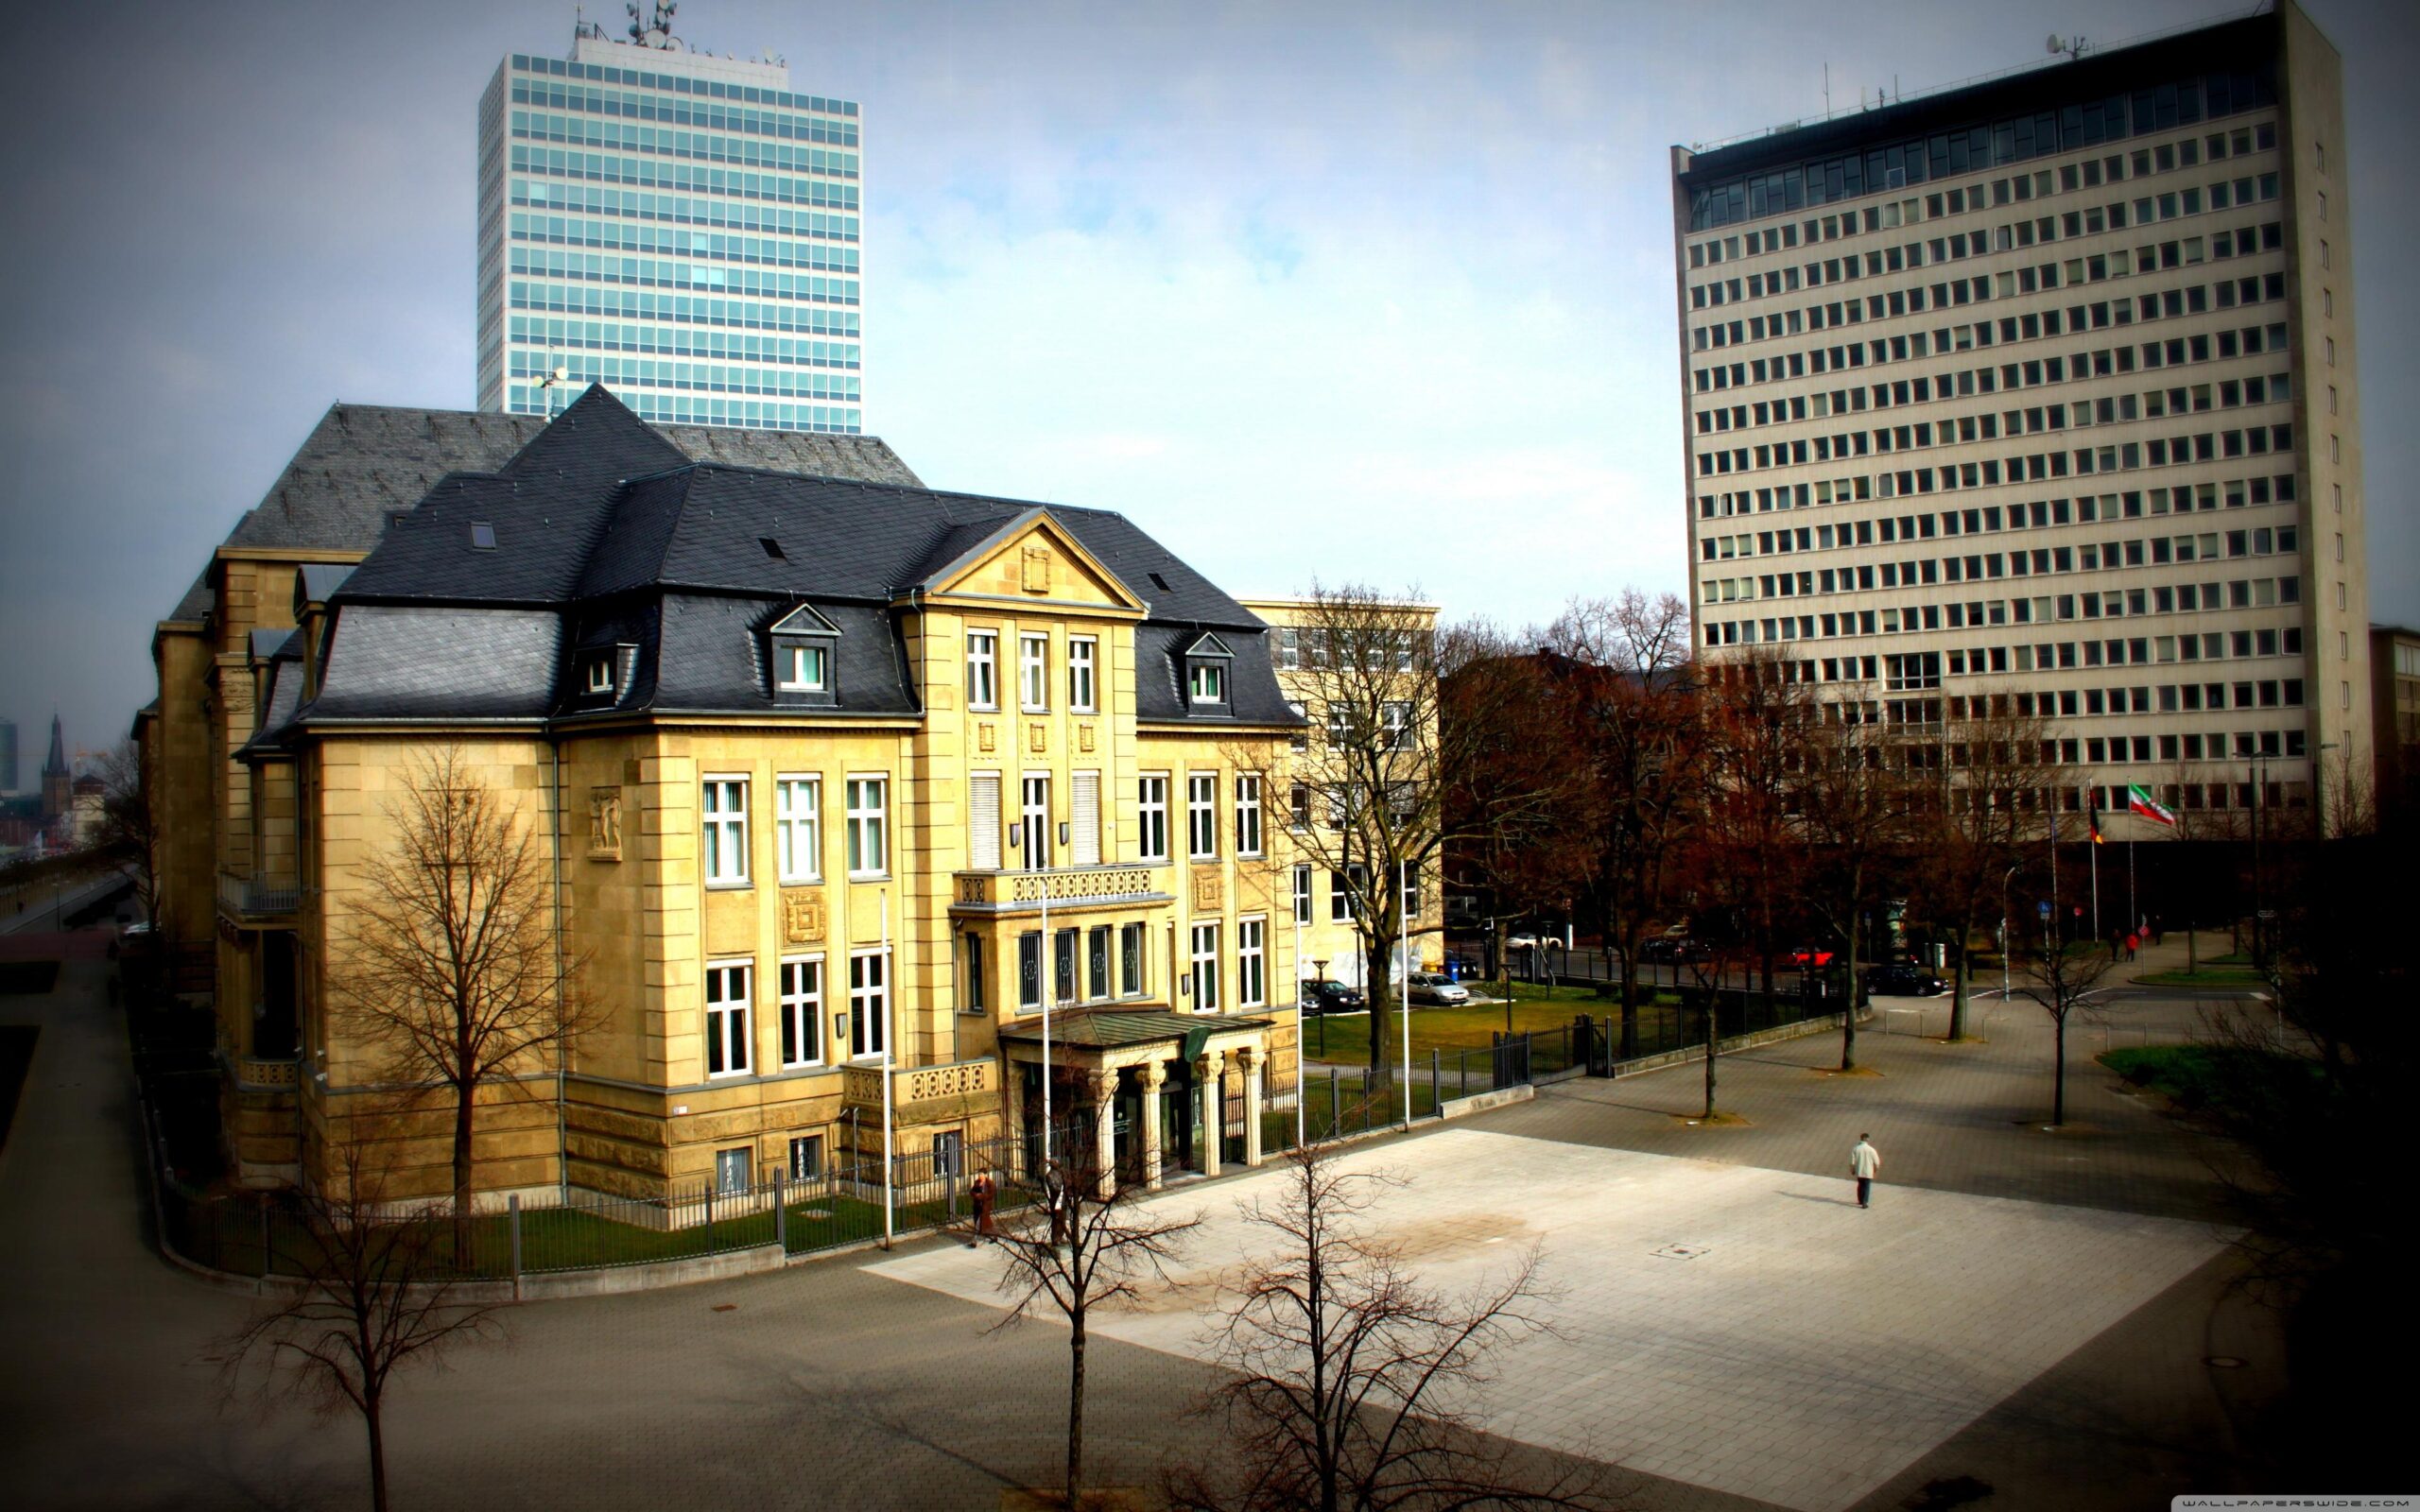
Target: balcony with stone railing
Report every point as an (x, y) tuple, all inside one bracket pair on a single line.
[(256, 901), (1065, 888)]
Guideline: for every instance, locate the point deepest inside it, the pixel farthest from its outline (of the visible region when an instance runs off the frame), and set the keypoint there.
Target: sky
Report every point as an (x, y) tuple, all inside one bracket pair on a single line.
[(1313, 292)]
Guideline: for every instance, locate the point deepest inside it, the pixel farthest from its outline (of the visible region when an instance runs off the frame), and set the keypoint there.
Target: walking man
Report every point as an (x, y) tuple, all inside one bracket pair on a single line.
[(983, 1197), (1867, 1162)]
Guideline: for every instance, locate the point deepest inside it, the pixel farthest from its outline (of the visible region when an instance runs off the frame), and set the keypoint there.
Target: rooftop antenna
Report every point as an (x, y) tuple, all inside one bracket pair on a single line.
[(2075, 46), (1827, 88)]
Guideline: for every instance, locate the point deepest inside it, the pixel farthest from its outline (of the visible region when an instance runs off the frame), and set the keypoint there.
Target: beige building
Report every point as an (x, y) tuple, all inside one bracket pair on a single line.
[(2394, 717), (2044, 387), (838, 779)]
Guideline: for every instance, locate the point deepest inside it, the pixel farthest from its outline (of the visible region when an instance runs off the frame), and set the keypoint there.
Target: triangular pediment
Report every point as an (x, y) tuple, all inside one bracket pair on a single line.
[(804, 620), (1031, 557), (1209, 645)]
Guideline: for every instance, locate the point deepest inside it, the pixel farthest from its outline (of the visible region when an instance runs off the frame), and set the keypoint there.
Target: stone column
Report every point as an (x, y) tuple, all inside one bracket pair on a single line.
[(1153, 1075), (1255, 1062), (1102, 1085), (1012, 1105), (1208, 1069)]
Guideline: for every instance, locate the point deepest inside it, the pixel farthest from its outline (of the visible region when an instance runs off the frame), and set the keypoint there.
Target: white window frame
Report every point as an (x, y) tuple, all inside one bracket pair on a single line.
[(798, 830), (864, 822), (794, 679), (722, 823), (1151, 813), (1202, 816), (734, 1170), (1083, 668), (1247, 787), (1251, 961), (1205, 967), (982, 669), (807, 1157), (869, 1002), (1205, 681), (986, 839), (1033, 673), (728, 1031), (1083, 836), (1302, 892), (800, 984), (1340, 906), (1034, 821), (600, 674)]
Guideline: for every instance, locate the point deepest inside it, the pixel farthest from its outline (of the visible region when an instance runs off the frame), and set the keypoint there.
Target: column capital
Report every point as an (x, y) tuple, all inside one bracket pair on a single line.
[(1248, 1058), (1209, 1063), (1153, 1074), (1102, 1085)]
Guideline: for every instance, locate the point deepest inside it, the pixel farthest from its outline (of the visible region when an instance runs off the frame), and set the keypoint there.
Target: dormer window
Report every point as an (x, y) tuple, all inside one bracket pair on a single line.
[(1208, 665), (804, 652), (598, 676), (801, 667)]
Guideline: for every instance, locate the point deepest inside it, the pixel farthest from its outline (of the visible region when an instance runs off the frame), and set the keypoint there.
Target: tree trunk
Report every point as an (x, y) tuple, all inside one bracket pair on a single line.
[(1377, 961), (1630, 994), (1848, 1019), (1712, 1002), (1076, 1414), (464, 1107), (2059, 1071), (377, 1455), (1963, 981)]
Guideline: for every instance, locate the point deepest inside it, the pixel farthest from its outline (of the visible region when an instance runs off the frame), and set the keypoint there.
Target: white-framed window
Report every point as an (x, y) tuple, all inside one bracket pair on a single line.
[(1033, 673), (798, 827), (801, 998), (1247, 813), (1396, 722), (1290, 649), (868, 826), (1130, 960), (1152, 815), (1202, 816), (1033, 818), (801, 668), (1083, 653), (949, 1154), (1411, 890), (983, 822), (1205, 968), (600, 674), (982, 669), (727, 1029), (970, 998), (1206, 682), (1298, 806), (869, 1004), (1302, 893), (724, 806), (1085, 801), (807, 1157), (734, 1169), (1252, 937), (1340, 892)]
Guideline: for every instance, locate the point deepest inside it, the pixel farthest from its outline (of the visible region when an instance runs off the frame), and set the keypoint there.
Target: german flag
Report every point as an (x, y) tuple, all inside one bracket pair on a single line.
[(2096, 825)]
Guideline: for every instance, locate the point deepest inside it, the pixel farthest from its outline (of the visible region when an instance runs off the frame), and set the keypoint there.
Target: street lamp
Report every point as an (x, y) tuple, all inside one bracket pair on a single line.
[(2004, 939)]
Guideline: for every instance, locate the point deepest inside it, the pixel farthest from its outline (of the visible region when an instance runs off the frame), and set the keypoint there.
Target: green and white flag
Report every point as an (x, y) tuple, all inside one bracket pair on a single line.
[(2139, 800)]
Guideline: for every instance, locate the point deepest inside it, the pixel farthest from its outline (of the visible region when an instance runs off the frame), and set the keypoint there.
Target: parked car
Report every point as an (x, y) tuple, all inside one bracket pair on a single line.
[(1811, 958), (1672, 948), (1530, 941), (1430, 987), (1901, 981), (1330, 997)]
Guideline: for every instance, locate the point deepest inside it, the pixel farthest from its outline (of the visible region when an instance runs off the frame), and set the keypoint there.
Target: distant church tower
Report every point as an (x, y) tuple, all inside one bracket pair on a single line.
[(58, 782)]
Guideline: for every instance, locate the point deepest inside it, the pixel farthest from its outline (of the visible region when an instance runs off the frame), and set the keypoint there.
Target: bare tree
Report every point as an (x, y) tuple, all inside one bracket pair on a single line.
[(1855, 796), (375, 1295), (2061, 976), (454, 976), (1998, 770), (1086, 1245), (1354, 1384), (1625, 699), (1747, 853), (129, 833)]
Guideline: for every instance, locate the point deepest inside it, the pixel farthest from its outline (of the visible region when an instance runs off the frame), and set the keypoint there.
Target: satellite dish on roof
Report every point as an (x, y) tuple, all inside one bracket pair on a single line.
[(2054, 44)]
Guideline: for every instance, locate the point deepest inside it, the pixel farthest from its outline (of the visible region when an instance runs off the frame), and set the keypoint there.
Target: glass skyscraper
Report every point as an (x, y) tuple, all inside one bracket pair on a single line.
[(679, 228)]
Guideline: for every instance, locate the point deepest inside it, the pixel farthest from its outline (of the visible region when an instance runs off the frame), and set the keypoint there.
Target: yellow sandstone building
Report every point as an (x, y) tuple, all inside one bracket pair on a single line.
[(835, 777)]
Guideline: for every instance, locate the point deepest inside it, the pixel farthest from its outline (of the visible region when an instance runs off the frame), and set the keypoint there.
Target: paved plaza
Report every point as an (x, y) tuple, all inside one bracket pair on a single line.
[(2021, 1321)]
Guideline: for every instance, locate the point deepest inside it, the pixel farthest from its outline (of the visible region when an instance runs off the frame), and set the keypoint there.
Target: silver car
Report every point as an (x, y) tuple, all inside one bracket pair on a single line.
[(1429, 986)]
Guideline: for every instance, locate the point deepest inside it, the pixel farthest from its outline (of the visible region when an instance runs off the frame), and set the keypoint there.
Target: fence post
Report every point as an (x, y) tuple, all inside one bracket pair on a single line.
[(1528, 1041), (1436, 1107), (264, 1224), (781, 1209), (710, 1215), (513, 1214), (1334, 1112)]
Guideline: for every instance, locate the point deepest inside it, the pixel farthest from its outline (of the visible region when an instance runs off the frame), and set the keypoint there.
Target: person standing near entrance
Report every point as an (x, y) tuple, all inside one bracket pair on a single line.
[(1866, 1162), (983, 1195)]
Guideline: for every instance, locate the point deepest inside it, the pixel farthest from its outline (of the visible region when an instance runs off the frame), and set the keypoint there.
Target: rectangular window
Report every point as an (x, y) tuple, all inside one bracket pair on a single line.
[(1302, 894), (983, 822), (803, 1011), (1299, 805), (734, 1169), (1030, 970), (1250, 985), (949, 1155), (1063, 965), (1033, 821), (1153, 845), (868, 1004), (726, 831), (806, 1158), (1207, 682), (1202, 816), (1033, 673), (1081, 651), (1247, 813), (801, 669), (1205, 968), (1085, 843), (727, 1005), (982, 669), (1096, 964), (798, 827), (1339, 894), (1130, 960), (970, 955), (868, 845)]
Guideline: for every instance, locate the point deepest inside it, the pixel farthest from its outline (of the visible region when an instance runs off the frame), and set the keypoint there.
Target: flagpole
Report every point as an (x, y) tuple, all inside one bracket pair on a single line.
[(2134, 916), (886, 1210), (2055, 920), (2095, 851)]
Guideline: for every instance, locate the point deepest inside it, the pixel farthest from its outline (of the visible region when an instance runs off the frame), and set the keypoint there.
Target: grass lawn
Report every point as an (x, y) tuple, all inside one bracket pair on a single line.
[(1344, 1039), (2196, 1077), (2223, 977)]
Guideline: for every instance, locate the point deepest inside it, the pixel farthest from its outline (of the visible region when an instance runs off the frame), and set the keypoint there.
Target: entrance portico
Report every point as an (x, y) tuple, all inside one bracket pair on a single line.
[(1172, 1084)]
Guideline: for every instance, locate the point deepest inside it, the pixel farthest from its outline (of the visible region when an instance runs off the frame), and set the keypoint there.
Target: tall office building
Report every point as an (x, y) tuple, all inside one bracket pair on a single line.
[(2045, 387), (7, 756), (679, 228)]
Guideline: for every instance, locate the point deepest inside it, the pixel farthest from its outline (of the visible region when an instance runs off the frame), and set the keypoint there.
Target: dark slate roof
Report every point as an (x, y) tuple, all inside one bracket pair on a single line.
[(439, 663), (198, 601), (321, 579), (1113, 1028), (601, 522)]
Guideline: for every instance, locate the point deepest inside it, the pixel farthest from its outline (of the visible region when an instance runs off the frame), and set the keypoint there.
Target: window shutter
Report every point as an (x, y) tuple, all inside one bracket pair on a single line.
[(983, 822), (1087, 834)]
